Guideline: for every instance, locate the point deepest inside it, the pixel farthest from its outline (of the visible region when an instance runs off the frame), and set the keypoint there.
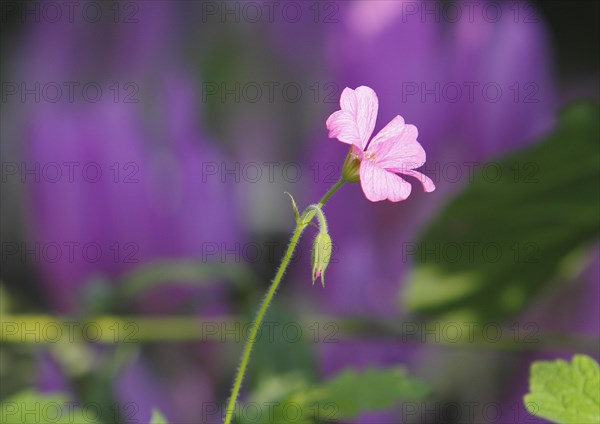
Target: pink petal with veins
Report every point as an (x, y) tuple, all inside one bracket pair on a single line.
[(379, 184), (396, 147), (355, 122)]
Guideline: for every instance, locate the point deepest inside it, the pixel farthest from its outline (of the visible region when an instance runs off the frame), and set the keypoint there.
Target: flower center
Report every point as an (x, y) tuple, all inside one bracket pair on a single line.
[(370, 156)]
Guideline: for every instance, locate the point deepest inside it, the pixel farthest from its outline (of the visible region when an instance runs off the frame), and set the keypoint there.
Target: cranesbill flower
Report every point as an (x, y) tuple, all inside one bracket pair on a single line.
[(394, 150)]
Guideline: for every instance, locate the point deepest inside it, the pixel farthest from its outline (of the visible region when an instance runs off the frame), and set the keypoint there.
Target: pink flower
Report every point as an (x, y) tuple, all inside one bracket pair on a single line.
[(394, 150)]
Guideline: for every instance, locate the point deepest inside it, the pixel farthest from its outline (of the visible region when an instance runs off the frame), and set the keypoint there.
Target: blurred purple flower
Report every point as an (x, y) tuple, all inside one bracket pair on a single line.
[(132, 188), (136, 194)]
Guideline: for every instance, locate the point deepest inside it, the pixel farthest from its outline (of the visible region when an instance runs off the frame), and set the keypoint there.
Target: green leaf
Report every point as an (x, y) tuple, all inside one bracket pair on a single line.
[(295, 208), (344, 396), (157, 417), (501, 240), (30, 407), (351, 392), (565, 392)]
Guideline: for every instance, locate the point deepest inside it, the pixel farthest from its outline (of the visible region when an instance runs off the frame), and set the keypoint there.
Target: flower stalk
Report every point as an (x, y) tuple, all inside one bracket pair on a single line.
[(302, 221)]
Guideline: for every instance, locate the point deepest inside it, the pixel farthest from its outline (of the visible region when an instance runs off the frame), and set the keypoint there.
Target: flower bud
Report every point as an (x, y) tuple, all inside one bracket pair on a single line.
[(321, 255), (350, 170)]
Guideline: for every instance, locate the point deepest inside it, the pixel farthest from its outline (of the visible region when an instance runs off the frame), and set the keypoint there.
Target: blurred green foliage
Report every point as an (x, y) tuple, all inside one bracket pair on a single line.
[(282, 347), (344, 396), (507, 236)]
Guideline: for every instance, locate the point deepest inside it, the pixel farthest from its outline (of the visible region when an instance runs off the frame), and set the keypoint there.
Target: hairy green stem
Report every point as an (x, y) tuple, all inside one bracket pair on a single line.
[(332, 190), (301, 224), (320, 216)]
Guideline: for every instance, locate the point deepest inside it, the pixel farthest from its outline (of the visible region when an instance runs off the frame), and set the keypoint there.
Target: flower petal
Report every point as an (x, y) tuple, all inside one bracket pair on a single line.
[(354, 123), (396, 147), (425, 181), (379, 184)]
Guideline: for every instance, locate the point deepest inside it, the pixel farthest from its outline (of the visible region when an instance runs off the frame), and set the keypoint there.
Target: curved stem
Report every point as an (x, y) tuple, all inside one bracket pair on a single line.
[(320, 216), (302, 223), (332, 190)]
